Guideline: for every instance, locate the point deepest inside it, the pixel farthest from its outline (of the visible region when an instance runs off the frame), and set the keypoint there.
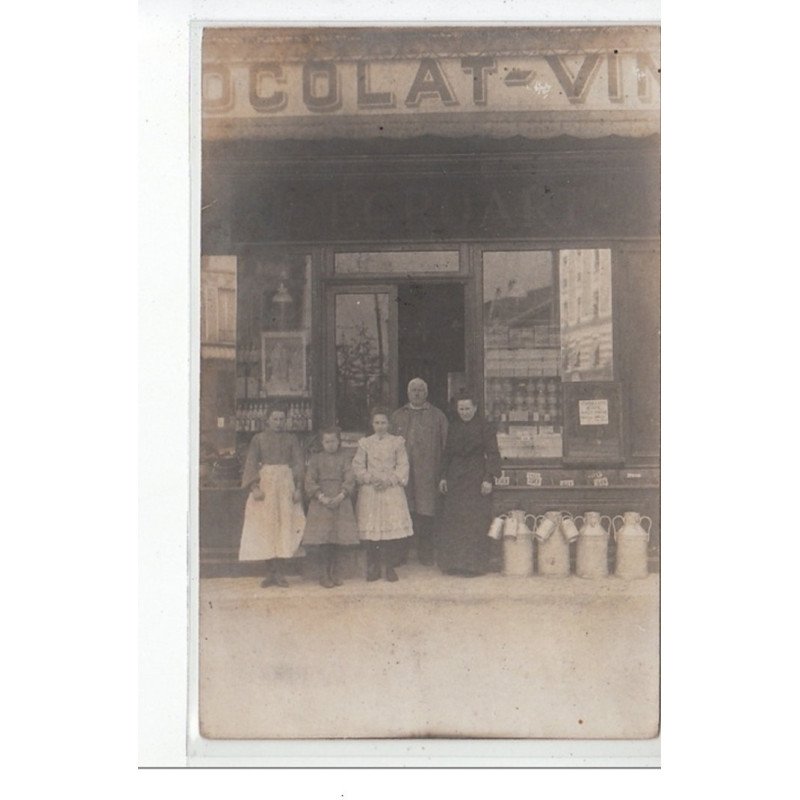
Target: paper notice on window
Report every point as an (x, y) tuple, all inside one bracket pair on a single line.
[(593, 412)]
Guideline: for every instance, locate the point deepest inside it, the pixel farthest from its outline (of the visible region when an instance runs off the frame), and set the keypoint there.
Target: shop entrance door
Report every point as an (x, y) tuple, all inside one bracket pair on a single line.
[(380, 336), (430, 321)]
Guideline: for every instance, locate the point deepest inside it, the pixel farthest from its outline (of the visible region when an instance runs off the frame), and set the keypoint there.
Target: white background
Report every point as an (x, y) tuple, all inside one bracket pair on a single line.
[(70, 345)]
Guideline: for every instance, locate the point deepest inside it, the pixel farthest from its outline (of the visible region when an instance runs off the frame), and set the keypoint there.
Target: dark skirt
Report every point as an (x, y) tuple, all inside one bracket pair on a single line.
[(330, 526), (462, 541)]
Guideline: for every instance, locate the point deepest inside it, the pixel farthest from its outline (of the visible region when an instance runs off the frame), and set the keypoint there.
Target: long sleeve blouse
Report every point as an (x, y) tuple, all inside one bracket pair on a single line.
[(381, 459), (273, 447), (330, 473)]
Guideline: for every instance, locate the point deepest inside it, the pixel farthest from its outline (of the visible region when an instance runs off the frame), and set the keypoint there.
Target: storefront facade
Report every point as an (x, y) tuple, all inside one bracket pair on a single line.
[(476, 208)]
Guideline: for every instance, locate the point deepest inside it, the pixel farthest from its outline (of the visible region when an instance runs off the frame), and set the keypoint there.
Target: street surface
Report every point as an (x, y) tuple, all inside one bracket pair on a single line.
[(430, 656)]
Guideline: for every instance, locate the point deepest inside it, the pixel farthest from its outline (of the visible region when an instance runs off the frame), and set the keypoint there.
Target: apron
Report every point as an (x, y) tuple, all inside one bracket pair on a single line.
[(273, 527)]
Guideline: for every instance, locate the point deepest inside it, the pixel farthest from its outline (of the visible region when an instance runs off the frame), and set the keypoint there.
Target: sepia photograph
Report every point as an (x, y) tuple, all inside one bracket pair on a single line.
[(428, 442)]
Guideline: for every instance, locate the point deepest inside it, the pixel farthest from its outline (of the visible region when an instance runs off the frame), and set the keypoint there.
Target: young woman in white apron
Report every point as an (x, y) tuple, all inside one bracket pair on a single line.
[(273, 516)]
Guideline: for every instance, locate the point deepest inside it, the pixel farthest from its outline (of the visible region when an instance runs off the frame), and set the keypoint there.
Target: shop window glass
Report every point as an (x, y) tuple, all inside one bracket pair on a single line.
[(273, 353), (529, 348), (362, 357), (397, 262), (589, 329)]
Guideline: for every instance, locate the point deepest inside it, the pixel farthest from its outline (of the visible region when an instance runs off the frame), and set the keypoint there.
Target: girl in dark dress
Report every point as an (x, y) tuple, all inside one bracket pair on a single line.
[(330, 485), (470, 462)]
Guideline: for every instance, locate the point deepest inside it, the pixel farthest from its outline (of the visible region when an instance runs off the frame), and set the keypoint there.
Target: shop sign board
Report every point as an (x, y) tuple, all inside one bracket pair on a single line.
[(268, 93)]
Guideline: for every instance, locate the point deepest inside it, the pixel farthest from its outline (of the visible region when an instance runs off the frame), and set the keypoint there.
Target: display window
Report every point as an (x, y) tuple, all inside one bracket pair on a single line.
[(547, 320), (274, 360)]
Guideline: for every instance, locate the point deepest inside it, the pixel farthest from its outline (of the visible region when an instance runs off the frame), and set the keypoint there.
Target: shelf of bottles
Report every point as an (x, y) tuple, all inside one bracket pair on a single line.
[(525, 401), (251, 414), (523, 390)]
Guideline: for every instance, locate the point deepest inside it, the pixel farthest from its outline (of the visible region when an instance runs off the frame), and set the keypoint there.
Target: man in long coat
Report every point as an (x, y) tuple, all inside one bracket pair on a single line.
[(424, 427)]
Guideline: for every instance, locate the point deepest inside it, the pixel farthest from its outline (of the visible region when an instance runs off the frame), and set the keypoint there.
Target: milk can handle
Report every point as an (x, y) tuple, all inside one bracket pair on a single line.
[(610, 523), (533, 517), (613, 525), (649, 526), (576, 518)]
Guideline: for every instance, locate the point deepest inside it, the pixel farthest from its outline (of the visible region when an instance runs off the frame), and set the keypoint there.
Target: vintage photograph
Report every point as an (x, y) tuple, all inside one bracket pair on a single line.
[(429, 392)]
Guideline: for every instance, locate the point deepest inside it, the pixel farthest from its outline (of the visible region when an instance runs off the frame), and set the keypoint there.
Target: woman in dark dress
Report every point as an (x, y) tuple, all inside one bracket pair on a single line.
[(470, 462)]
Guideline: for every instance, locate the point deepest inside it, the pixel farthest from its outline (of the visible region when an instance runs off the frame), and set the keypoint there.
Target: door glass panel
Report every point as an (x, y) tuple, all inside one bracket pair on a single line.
[(362, 357)]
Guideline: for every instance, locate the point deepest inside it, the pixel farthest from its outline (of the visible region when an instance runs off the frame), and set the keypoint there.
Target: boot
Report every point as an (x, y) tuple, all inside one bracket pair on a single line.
[(424, 537), (269, 580), (389, 559), (280, 580), (333, 572), (373, 561), (401, 558), (325, 578)]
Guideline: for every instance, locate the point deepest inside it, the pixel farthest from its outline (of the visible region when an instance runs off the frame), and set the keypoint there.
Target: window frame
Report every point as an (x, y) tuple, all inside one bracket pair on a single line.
[(554, 246)]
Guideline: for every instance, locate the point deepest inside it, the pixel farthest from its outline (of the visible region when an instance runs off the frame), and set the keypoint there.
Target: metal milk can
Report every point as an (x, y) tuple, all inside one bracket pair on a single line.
[(568, 527), (632, 540), (546, 524), (592, 555), (518, 545), (496, 528), (553, 547)]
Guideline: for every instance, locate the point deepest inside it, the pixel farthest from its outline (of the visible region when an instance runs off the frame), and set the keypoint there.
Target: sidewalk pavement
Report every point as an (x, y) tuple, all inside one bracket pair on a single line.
[(430, 656)]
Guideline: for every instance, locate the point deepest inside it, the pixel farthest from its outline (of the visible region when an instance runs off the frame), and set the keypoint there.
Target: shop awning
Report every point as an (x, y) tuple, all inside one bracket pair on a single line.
[(291, 83)]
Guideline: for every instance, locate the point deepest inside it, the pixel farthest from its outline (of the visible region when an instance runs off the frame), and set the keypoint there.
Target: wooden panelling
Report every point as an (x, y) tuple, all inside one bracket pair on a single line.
[(637, 291)]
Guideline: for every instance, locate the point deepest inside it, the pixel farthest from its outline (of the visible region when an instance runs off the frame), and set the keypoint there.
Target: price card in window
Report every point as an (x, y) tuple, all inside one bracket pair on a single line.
[(503, 480), (592, 423), (593, 412), (597, 478), (533, 478)]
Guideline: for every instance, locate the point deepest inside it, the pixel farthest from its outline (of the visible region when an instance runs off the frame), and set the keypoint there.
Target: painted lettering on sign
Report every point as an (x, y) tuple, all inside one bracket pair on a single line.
[(593, 412), (368, 208), (599, 80)]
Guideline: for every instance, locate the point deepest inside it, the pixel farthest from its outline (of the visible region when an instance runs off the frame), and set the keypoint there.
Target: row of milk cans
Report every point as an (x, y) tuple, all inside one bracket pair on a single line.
[(553, 533)]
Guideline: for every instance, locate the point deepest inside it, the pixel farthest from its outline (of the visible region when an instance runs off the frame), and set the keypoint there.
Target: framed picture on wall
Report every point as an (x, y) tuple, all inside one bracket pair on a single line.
[(283, 363)]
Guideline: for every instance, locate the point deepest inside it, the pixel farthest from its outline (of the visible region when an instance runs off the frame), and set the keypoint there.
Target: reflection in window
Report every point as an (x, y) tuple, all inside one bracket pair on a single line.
[(521, 352), (362, 347), (529, 349), (586, 281), (273, 298)]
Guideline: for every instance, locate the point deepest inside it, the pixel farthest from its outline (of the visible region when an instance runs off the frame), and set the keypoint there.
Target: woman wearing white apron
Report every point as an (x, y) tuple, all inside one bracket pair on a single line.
[(273, 516)]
